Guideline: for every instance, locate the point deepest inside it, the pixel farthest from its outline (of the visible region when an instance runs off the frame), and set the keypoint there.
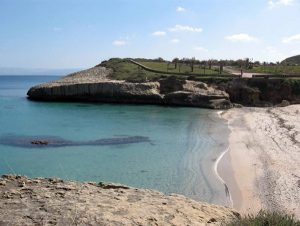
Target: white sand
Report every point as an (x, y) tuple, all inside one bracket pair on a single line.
[(264, 157)]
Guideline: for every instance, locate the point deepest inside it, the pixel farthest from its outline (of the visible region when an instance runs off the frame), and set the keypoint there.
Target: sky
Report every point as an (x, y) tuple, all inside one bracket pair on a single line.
[(82, 33)]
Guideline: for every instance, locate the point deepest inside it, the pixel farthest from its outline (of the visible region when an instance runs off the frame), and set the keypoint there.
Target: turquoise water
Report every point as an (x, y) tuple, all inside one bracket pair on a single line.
[(178, 158)]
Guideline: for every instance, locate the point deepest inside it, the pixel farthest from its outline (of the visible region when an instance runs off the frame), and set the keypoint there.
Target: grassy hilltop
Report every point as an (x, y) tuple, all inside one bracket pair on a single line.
[(153, 70), (289, 66), (276, 69), (294, 60), (169, 67), (142, 70)]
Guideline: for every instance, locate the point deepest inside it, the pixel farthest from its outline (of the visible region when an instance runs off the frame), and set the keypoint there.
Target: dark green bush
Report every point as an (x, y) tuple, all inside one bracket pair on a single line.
[(264, 218), (295, 85)]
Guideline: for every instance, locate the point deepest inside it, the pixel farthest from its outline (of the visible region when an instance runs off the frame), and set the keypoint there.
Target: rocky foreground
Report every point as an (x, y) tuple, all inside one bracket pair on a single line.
[(94, 85), (40, 201)]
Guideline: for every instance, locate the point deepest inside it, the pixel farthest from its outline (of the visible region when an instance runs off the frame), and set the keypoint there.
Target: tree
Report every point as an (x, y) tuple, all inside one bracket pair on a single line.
[(246, 63), (257, 63), (221, 67), (175, 61), (159, 59), (192, 63), (168, 65)]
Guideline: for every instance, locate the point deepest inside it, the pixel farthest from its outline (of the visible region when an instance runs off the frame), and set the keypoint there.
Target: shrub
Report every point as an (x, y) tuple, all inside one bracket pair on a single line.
[(264, 218), (294, 84)]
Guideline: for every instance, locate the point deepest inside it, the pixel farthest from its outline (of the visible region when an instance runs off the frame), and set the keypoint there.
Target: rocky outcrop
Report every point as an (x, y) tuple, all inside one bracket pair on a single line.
[(240, 92), (262, 92), (104, 91), (198, 94), (94, 85), (41, 201)]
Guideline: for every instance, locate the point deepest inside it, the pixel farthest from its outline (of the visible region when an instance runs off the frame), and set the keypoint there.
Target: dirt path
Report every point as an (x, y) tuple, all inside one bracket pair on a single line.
[(236, 71)]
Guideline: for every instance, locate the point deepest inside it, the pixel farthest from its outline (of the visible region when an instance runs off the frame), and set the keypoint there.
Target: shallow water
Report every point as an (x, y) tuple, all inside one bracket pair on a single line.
[(177, 157)]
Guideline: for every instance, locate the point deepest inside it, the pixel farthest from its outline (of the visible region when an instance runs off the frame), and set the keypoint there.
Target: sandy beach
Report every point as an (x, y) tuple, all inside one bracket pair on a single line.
[(262, 166)]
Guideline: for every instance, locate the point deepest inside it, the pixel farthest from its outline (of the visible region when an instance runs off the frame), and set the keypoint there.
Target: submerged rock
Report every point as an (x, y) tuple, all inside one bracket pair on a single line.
[(92, 85), (39, 142), (55, 202), (52, 141)]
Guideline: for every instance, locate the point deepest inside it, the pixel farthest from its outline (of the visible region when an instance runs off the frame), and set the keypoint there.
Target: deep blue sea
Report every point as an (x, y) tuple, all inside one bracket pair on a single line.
[(177, 157)]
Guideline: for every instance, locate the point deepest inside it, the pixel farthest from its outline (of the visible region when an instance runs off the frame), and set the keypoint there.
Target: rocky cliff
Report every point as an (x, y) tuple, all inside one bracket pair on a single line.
[(94, 85), (41, 201), (262, 92)]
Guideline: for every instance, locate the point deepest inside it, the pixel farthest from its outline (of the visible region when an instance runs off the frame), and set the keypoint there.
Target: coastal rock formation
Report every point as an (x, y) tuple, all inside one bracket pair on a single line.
[(192, 93), (95, 86), (55, 202), (241, 93), (262, 92)]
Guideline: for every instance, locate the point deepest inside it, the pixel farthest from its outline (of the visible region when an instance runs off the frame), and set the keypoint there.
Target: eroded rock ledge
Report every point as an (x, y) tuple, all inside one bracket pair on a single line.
[(93, 85), (41, 201)]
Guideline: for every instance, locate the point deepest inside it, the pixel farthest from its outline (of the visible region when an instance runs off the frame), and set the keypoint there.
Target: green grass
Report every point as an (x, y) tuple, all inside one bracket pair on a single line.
[(276, 69), (266, 219), (123, 69), (184, 69)]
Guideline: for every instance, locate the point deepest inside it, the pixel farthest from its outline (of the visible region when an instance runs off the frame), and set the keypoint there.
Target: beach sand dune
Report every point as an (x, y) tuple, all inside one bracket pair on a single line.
[(264, 159)]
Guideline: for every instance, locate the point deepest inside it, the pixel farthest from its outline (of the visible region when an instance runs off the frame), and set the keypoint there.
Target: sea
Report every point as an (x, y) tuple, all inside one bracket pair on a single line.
[(178, 154)]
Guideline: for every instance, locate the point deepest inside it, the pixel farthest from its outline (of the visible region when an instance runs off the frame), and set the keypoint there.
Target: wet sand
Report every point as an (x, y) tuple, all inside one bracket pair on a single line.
[(262, 166)]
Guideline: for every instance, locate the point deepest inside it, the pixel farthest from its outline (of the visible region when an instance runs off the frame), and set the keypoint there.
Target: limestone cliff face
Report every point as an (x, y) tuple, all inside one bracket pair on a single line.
[(263, 92), (197, 94), (93, 85), (105, 91), (39, 201)]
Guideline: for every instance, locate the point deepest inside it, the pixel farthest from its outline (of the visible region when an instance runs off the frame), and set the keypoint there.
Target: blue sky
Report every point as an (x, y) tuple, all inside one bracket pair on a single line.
[(81, 33)]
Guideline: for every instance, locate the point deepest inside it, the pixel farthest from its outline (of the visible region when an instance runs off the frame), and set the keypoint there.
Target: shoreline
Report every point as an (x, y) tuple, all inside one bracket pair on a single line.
[(200, 157), (260, 167), (218, 133), (226, 169), (216, 166)]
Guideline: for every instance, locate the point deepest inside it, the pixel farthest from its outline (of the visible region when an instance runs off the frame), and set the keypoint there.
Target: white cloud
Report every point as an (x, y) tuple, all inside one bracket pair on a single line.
[(201, 49), (293, 38), (175, 40), (181, 28), (180, 9), (275, 3), (241, 38), (120, 43), (159, 33)]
